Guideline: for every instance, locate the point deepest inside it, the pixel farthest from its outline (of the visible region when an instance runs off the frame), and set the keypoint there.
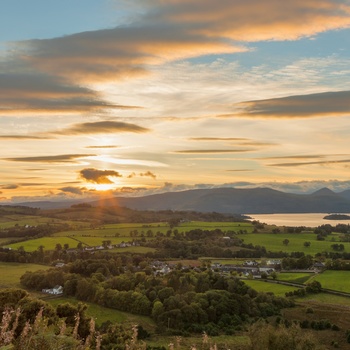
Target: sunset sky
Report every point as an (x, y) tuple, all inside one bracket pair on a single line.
[(133, 97)]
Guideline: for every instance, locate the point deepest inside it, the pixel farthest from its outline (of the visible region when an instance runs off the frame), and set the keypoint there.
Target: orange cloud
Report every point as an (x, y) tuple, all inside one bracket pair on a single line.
[(254, 20), (98, 176), (117, 53), (36, 93), (325, 104)]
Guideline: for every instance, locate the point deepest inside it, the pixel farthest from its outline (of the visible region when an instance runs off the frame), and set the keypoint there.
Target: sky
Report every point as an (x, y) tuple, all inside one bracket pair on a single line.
[(135, 97)]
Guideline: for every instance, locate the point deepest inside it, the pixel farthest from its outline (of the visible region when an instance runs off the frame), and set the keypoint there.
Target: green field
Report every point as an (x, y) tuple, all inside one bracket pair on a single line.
[(324, 298), (138, 250), (296, 277), (103, 314), (123, 230), (266, 287), (273, 242), (12, 272), (336, 280), (31, 220), (118, 233), (49, 243)]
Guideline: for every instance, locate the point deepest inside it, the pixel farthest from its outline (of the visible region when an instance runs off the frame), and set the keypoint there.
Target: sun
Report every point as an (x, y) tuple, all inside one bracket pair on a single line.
[(103, 187)]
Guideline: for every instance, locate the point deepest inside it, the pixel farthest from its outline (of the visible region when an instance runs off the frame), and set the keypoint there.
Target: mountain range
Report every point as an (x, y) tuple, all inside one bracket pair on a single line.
[(228, 200)]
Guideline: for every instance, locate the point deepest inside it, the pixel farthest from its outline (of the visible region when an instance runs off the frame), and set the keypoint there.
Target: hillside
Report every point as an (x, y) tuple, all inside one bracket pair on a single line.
[(240, 201), (226, 200)]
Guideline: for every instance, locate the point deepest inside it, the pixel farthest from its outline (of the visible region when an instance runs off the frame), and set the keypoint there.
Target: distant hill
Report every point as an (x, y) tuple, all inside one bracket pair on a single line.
[(240, 201), (226, 200)]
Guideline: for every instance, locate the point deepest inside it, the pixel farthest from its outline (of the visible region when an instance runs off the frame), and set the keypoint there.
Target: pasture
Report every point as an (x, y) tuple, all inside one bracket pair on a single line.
[(274, 242), (295, 277), (103, 314), (12, 272), (49, 243), (336, 280), (12, 220), (324, 299), (268, 287)]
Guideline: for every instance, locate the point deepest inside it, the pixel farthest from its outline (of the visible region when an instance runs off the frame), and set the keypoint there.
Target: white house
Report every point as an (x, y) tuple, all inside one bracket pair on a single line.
[(57, 290)]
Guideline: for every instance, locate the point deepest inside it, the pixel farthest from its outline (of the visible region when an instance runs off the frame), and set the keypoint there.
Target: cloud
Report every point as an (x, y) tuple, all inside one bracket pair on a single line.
[(73, 190), (98, 176), (212, 151), (64, 158), (239, 170), (9, 187), (314, 156), (23, 137), (105, 127), (218, 139), (130, 190), (327, 104), (47, 76), (38, 93), (325, 162), (36, 169), (103, 147), (117, 53), (252, 20), (149, 174)]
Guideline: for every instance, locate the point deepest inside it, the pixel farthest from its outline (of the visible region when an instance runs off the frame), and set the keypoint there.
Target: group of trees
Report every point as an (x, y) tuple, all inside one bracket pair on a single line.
[(185, 300)]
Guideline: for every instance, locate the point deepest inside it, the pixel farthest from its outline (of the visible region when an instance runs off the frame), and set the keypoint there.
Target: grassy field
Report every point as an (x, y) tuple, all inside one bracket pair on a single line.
[(12, 272), (262, 286), (273, 242), (336, 280), (31, 220), (102, 314), (136, 249), (323, 298), (123, 230), (294, 277), (49, 243)]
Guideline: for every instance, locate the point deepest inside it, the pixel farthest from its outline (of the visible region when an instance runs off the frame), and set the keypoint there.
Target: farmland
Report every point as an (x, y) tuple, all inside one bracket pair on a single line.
[(116, 283), (266, 287), (274, 242), (11, 273), (336, 280)]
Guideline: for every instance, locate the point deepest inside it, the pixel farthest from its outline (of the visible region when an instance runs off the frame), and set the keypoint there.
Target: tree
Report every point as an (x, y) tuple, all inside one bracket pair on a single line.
[(285, 242), (314, 287), (307, 244)]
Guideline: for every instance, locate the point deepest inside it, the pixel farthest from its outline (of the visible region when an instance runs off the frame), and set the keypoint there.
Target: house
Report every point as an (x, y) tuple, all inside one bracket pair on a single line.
[(57, 290), (319, 266), (60, 264)]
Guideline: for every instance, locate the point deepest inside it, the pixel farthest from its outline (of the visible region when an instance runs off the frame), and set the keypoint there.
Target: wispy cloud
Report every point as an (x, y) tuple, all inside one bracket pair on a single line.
[(327, 104), (212, 151), (98, 176), (105, 127), (9, 187), (23, 137), (253, 20), (149, 174), (38, 93), (73, 190), (63, 158), (218, 139), (323, 162), (239, 170), (102, 147), (146, 174)]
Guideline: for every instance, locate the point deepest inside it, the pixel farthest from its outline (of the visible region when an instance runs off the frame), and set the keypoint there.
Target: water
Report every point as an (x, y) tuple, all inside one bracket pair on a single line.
[(309, 220)]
